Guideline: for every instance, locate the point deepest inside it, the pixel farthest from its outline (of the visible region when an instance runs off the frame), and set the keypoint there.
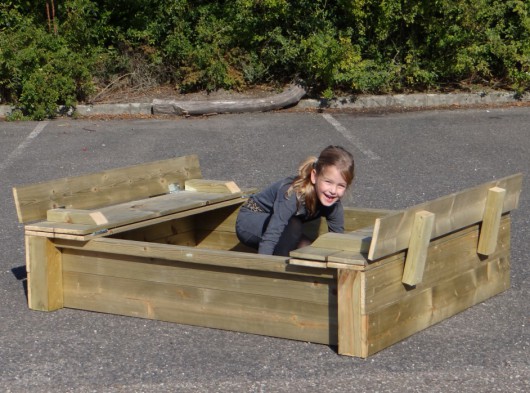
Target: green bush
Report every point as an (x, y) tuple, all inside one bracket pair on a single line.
[(351, 46), (38, 70)]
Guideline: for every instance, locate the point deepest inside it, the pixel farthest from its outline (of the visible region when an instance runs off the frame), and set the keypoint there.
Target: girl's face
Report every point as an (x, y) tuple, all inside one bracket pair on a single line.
[(330, 186)]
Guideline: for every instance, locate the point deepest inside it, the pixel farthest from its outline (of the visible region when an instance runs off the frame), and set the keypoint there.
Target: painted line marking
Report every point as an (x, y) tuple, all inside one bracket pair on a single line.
[(15, 153), (344, 131)]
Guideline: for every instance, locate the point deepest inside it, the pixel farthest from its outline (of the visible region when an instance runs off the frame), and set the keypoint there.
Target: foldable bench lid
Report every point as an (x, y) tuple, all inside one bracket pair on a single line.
[(84, 222), (104, 188), (392, 233)]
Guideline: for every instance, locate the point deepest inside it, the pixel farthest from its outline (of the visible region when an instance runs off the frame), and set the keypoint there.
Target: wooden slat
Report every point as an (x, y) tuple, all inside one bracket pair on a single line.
[(392, 232), (192, 255), (160, 232), (347, 258), (75, 216), (492, 218), (216, 240), (312, 253), (447, 258), (428, 306), (351, 241), (215, 186), (85, 232), (243, 312), (222, 219), (141, 210), (417, 251), (307, 262), (277, 284), (280, 303), (104, 188), (357, 218)]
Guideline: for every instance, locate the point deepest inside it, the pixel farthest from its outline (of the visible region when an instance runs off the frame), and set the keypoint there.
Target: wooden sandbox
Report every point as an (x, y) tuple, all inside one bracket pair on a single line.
[(157, 241)]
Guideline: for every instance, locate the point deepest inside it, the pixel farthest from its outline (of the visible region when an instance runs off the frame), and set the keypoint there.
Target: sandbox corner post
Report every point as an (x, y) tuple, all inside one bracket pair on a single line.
[(351, 331), (44, 272)]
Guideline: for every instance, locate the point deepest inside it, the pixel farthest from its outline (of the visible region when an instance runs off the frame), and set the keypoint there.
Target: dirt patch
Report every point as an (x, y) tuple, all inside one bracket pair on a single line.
[(124, 95)]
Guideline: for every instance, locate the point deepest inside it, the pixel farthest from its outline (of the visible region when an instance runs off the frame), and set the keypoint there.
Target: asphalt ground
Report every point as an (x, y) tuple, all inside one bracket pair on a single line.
[(401, 158)]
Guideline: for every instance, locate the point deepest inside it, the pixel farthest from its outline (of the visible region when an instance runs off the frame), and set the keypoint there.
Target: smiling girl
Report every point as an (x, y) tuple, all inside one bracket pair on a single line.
[(271, 220)]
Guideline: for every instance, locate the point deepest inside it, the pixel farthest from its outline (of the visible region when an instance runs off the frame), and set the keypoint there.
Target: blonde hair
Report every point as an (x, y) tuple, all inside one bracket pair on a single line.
[(302, 186)]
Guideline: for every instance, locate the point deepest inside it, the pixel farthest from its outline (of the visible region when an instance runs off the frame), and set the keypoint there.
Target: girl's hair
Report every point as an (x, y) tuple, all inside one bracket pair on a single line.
[(330, 156)]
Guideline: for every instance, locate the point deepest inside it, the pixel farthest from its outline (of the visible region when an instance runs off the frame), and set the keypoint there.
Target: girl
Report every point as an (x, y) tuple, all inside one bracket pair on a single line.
[(271, 220)]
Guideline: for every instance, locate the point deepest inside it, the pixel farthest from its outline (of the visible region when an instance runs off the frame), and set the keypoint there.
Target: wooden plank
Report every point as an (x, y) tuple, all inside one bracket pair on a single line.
[(104, 188), (309, 263), (356, 218), (492, 218), (309, 288), (216, 240), (351, 241), (417, 252), (192, 255), (160, 232), (44, 268), (144, 209), (85, 232), (235, 311), (352, 325), (431, 305), (222, 219), (76, 216), (391, 233), (214, 186), (312, 253), (348, 258), (447, 258), (359, 220)]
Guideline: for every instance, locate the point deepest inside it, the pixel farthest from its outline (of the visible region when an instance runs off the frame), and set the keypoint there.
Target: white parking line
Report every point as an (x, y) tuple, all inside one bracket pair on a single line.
[(15, 153), (344, 131)]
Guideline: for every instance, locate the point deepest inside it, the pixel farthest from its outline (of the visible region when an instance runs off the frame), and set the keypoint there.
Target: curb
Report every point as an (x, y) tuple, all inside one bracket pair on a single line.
[(383, 102), (412, 101)]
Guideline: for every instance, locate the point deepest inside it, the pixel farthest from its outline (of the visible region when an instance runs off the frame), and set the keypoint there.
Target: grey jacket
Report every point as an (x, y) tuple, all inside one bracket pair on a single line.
[(274, 201)]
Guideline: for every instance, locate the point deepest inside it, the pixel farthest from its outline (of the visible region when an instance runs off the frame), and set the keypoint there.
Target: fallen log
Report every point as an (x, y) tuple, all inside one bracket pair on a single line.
[(289, 97)]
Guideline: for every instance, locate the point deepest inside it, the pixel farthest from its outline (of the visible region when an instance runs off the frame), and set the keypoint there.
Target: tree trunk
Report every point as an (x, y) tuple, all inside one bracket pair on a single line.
[(289, 97)]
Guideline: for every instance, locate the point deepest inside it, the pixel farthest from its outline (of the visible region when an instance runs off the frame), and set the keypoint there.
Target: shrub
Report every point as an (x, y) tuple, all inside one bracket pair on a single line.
[(355, 46), (39, 71)]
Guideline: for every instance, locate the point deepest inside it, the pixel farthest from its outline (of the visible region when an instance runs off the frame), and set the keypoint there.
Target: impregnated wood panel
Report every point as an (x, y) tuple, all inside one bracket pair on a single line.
[(447, 257), (454, 211), (104, 188), (411, 314)]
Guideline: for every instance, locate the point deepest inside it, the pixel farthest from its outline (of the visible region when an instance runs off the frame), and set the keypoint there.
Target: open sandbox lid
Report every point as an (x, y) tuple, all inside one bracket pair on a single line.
[(95, 204)]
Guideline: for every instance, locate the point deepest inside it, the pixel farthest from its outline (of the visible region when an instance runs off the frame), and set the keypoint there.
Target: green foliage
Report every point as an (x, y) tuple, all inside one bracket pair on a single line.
[(355, 46), (38, 70)]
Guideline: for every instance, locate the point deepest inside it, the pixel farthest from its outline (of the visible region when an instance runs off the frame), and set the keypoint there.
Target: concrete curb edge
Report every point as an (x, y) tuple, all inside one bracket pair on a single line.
[(381, 102)]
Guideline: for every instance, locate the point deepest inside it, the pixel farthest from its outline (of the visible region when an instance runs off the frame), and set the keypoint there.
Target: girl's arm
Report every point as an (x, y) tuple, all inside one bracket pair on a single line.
[(335, 218), (284, 208)]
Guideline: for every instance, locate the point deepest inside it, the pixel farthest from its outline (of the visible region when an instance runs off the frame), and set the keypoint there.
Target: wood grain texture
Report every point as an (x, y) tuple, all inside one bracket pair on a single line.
[(104, 188), (215, 186), (417, 252), (489, 230), (193, 108), (280, 304), (455, 211), (44, 269), (352, 329)]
